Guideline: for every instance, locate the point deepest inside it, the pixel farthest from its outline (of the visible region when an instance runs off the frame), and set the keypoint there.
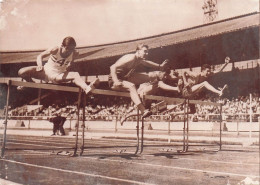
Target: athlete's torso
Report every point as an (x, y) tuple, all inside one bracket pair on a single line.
[(58, 63), (126, 69)]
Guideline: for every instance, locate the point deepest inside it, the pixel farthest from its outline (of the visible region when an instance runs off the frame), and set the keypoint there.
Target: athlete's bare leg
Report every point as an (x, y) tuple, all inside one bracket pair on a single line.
[(27, 73), (197, 88), (75, 78), (131, 88)]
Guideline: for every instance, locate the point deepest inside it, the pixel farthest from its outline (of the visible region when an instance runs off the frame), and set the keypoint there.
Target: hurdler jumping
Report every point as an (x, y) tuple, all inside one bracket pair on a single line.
[(57, 69), (123, 75)]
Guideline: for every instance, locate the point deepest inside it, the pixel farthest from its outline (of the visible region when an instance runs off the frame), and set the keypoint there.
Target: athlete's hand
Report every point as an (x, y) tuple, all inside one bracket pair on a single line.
[(39, 68), (118, 83), (164, 63), (227, 59)]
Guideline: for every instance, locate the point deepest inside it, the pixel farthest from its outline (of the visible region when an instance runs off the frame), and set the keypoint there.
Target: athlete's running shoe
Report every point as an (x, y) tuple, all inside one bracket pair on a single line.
[(91, 86), (147, 113), (20, 88)]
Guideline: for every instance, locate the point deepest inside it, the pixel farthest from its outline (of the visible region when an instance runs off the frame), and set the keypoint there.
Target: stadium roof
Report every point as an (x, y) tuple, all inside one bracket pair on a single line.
[(116, 49)]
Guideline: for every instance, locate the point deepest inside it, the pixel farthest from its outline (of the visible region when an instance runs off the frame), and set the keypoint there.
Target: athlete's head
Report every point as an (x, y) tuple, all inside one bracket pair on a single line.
[(142, 51), (69, 44), (205, 69)]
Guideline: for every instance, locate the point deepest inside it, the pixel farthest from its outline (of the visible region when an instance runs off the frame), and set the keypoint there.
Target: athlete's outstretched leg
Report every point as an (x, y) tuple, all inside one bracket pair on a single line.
[(75, 78), (197, 88), (27, 73)]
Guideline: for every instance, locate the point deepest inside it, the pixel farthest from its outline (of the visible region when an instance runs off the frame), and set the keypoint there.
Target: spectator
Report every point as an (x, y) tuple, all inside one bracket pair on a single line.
[(58, 122)]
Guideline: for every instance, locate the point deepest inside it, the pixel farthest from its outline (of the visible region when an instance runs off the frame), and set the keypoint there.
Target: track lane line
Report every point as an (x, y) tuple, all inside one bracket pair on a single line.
[(76, 172), (179, 168)]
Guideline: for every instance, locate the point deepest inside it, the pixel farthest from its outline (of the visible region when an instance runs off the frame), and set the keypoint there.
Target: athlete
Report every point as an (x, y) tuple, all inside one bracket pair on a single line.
[(192, 83), (159, 80), (56, 70), (124, 77)]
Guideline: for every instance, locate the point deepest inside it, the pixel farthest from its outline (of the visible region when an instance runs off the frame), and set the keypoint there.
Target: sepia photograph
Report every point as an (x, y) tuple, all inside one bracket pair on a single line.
[(120, 92)]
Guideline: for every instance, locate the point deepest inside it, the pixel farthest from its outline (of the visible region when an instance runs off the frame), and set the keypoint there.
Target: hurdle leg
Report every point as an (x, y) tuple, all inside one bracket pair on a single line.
[(83, 126), (184, 127), (6, 117), (137, 132), (220, 128), (77, 124), (187, 127), (142, 136)]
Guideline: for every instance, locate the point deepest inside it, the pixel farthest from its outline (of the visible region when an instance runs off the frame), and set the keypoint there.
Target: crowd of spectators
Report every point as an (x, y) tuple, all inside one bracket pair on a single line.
[(110, 108)]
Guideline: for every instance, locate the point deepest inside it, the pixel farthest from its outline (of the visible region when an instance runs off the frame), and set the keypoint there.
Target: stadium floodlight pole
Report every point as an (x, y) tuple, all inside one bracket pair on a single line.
[(6, 116)]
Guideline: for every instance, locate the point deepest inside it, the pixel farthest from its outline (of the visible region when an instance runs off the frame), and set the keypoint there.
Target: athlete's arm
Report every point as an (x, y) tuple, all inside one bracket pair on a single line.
[(119, 63), (44, 54), (227, 60), (154, 65)]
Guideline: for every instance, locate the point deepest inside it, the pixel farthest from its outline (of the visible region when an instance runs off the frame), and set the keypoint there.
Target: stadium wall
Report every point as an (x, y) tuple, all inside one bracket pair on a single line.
[(159, 126)]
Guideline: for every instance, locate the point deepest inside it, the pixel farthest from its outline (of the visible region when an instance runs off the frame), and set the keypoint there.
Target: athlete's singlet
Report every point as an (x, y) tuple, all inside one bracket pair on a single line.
[(57, 65)]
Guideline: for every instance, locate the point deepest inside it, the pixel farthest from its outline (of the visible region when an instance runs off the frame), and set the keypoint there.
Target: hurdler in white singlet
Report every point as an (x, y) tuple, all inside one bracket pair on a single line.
[(57, 65)]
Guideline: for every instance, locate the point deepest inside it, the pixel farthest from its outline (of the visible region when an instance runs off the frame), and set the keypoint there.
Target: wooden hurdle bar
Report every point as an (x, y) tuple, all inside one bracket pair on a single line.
[(102, 92)]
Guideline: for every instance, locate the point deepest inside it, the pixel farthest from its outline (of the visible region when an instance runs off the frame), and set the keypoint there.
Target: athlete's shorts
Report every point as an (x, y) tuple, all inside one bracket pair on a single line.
[(51, 73), (147, 89), (187, 92), (112, 86)]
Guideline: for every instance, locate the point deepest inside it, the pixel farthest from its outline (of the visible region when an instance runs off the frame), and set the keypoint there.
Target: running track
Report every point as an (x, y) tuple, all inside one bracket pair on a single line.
[(32, 163)]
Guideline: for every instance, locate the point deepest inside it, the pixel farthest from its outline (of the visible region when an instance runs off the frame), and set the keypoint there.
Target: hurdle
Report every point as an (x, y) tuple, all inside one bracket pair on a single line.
[(186, 103), (139, 146), (57, 88)]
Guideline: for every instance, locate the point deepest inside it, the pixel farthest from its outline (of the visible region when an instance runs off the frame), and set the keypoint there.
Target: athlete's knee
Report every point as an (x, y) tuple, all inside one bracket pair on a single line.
[(132, 89), (205, 83), (132, 86), (21, 72), (74, 75), (24, 72)]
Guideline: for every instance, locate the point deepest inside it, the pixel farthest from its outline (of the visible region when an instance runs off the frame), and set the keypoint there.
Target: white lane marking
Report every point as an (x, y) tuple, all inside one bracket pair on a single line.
[(38, 140), (32, 144), (6, 182), (76, 172), (213, 161), (178, 168)]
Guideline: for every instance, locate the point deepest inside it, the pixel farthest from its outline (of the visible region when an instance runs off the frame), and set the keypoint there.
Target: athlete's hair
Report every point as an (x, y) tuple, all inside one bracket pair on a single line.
[(205, 66), (140, 46), (69, 41)]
